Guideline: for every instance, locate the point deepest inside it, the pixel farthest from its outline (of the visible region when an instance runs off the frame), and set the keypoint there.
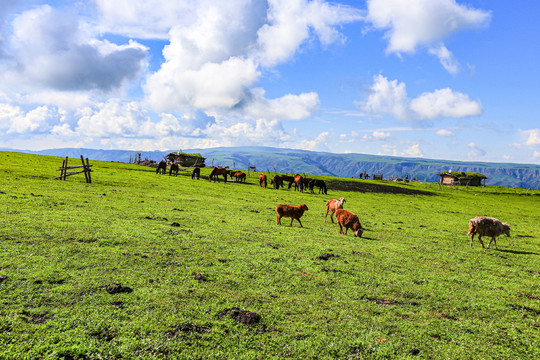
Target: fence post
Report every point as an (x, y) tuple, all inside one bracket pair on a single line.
[(65, 169), (89, 171)]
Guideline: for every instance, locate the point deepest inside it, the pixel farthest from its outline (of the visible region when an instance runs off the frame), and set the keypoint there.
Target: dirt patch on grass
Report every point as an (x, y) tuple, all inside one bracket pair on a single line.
[(241, 316), (366, 187)]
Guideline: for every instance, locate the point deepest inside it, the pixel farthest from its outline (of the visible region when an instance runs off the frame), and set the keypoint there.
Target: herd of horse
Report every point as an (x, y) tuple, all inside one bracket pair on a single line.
[(300, 182)]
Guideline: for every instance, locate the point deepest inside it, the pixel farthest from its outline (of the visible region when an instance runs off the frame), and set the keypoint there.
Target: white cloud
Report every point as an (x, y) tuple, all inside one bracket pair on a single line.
[(53, 52), (536, 155), (446, 58), (533, 137), (387, 97), (287, 107), (445, 133), (380, 135), (289, 26), (445, 103), (390, 98), (318, 143), (411, 23), (476, 151), (38, 120), (413, 151)]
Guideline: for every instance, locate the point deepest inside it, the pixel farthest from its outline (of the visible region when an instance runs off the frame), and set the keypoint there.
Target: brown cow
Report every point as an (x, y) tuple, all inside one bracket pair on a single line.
[(348, 220), (262, 180), (294, 212)]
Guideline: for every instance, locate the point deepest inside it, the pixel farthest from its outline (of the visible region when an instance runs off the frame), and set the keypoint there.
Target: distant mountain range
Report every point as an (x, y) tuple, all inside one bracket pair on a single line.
[(323, 163)]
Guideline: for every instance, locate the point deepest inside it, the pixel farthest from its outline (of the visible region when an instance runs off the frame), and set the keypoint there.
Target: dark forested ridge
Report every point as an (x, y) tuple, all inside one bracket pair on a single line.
[(322, 163)]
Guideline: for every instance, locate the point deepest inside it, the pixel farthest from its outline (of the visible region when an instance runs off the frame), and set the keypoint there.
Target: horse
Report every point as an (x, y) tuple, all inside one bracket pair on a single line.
[(238, 176), (276, 181), (162, 167), (320, 184), (262, 180), (174, 167), (196, 172), (288, 178), (216, 171), (298, 183)]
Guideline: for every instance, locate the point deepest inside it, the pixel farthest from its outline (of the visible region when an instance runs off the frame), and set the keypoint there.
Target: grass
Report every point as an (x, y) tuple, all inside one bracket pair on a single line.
[(410, 288)]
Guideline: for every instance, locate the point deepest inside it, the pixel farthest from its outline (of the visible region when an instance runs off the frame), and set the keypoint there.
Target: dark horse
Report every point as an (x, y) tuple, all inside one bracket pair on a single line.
[(218, 171), (196, 172), (276, 181), (174, 168), (162, 167), (320, 184)]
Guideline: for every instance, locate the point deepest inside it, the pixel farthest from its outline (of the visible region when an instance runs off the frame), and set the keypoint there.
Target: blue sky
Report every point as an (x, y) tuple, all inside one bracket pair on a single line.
[(440, 79)]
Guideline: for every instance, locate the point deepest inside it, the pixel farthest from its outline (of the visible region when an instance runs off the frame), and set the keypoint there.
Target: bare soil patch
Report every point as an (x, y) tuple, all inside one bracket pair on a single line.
[(366, 187)]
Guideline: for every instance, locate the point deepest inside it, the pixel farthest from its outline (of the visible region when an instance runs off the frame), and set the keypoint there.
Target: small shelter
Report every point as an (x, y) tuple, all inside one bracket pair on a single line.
[(459, 178), (188, 160)]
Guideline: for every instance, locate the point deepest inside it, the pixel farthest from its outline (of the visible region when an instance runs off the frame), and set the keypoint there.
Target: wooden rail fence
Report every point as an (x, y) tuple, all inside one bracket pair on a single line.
[(85, 169)]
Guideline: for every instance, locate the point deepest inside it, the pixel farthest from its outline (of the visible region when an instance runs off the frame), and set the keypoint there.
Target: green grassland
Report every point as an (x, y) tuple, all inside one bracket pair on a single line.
[(190, 249)]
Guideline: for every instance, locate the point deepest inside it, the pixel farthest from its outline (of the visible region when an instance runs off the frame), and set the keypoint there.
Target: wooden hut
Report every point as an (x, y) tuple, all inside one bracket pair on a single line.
[(458, 178), (187, 160)]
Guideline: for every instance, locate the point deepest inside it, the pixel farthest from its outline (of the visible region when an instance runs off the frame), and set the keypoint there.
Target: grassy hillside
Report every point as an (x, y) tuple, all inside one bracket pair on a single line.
[(139, 265), (329, 164)]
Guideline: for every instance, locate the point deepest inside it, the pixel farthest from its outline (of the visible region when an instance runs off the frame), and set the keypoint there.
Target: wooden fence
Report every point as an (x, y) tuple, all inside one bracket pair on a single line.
[(85, 169)]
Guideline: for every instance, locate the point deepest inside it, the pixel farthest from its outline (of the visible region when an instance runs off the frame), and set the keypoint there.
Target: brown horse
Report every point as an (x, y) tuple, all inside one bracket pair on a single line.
[(162, 167), (218, 171), (298, 183), (174, 168), (238, 176), (196, 172), (262, 180)]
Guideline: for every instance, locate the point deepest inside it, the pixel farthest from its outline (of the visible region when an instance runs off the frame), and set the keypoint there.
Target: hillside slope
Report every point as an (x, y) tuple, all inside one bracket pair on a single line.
[(322, 163)]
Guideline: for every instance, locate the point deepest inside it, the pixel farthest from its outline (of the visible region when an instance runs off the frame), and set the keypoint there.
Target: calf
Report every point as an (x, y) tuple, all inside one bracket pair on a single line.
[(332, 206), (487, 226), (293, 212), (348, 220)]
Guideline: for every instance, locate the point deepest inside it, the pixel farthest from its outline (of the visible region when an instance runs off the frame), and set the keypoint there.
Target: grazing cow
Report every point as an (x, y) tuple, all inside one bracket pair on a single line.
[(320, 184), (294, 212), (196, 172), (216, 171), (262, 180), (348, 220), (487, 226), (276, 181), (238, 176), (332, 206), (298, 183), (174, 168), (162, 167)]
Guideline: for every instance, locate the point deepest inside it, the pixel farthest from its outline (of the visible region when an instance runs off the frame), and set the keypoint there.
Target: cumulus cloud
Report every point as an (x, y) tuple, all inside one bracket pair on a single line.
[(318, 143), (445, 103), (52, 51), (35, 121), (390, 98), (387, 97), (533, 137), (445, 133), (214, 61), (413, 23), (413, 151), (289, 26)]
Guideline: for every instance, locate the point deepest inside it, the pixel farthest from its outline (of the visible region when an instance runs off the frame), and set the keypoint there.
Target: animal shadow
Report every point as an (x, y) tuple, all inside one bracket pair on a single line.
[(518, 252)]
